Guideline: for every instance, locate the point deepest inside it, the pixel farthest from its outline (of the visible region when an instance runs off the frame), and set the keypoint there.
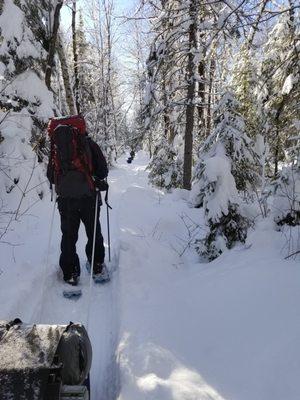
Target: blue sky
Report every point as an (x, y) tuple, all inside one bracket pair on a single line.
[(121, 6)]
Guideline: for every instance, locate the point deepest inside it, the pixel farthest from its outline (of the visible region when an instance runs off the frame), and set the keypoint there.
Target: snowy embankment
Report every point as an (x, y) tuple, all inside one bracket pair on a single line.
[(188, 331), (180, 330)]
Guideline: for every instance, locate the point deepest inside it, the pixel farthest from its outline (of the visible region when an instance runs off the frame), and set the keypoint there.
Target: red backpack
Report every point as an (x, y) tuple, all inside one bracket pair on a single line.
[(70, 164)]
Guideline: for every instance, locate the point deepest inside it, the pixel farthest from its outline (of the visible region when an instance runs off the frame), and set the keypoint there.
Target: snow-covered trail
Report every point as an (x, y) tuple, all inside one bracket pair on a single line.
[(32, 291), (103, 317), (167, 327)]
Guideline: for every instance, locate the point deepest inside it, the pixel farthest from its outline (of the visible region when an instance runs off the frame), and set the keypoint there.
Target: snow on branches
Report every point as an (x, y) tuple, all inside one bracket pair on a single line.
[(165, 167), (226, 166), (25, 102), (221, 204)]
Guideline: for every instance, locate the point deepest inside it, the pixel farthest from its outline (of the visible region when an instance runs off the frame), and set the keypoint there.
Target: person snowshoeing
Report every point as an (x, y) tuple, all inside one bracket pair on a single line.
[(77, 168)]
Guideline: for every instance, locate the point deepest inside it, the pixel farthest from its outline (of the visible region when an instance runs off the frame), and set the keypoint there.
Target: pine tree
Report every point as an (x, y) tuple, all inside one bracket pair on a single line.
[(230, 132), (165, 166), (226, 166), (280, 82), (245, 80), (25, 102), (286, 189), (221, 204), (181, 71)]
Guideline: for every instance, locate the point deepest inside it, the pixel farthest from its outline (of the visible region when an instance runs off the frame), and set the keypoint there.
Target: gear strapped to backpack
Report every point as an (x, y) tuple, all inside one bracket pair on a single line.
[(70, 165)]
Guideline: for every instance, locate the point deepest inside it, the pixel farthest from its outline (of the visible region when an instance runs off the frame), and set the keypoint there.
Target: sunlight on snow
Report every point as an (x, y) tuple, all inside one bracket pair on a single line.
[(156, 372), (182, 383)]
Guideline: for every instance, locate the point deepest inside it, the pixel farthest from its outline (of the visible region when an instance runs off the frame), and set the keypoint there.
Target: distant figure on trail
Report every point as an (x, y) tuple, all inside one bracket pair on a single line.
[(132, 154), (77, 168)]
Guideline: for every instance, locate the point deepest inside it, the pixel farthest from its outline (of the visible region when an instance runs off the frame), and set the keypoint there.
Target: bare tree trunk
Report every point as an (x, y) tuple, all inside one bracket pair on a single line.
[(65, 75), (201, 82), (110, 114), (52, 44), (212, 69), (190, 107), (201, 95), (75, 57), (166, 116)]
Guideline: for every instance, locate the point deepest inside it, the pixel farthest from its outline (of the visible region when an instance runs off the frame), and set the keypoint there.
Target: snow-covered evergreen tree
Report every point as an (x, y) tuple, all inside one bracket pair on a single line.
[(286, 189), (165, 166), (245, 81), (226, 166), (280, 82), (221, 203), (182, 69), (230, 131), (25, 102)]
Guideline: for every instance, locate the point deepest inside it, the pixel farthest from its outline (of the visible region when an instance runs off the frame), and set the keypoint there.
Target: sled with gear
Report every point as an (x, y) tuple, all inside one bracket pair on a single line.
[(44, 362)]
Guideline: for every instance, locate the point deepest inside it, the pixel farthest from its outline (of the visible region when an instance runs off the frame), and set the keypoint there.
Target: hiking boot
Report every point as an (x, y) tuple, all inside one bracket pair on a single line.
[(103, 274), (98, 267), (73, 280), (77, 270)]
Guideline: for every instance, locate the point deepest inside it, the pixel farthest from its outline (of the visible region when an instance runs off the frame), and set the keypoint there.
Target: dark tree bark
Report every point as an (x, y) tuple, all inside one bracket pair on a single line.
[(212, 69), (201, 95), (75, 58), (52, 44), (190, 106)]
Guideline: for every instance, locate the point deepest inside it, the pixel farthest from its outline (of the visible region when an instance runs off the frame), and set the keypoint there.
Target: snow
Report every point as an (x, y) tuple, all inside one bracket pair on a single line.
[(26, 106), (166, 327), (16, 34), (218, 170), (288, 84)]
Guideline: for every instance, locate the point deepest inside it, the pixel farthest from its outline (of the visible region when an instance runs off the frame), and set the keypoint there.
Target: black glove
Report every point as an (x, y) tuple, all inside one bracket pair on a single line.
[(100, 184)]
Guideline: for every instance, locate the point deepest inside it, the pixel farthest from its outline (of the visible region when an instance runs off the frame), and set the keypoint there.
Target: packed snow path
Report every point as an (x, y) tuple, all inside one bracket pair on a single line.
[(33, 292), (167, 327)]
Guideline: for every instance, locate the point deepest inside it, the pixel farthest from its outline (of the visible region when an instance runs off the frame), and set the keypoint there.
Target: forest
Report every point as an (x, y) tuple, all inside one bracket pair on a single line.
[(210, 89), (205, 94)]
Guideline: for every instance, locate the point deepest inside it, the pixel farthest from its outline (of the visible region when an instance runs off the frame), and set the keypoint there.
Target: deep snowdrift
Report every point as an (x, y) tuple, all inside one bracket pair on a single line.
[(179, 329)]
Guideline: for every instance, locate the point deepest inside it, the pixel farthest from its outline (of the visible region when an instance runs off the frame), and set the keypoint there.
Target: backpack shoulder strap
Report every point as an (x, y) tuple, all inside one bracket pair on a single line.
[(100, 168)]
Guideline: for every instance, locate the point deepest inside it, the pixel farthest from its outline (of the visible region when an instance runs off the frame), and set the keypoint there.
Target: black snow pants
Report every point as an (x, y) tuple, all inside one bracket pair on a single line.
[(72, 211)]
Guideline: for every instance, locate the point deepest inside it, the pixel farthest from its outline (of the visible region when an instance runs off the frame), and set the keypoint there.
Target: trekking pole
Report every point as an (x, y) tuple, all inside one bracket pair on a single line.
[(108, 224), (93, 257), (108, 232), (39, 314)]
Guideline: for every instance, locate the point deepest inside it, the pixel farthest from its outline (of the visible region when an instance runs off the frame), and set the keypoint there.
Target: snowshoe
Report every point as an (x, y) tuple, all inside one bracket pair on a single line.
[(103, 276), (72, 294), (100, 274)]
